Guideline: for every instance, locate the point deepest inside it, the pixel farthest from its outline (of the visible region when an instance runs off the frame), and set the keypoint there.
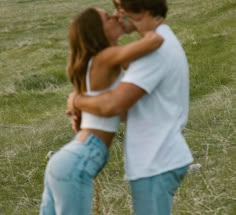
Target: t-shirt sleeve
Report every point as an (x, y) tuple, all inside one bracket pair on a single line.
[(146, 72)]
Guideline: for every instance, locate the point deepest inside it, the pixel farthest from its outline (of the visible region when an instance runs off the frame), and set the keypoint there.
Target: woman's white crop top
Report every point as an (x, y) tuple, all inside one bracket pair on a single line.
[(88, 120)]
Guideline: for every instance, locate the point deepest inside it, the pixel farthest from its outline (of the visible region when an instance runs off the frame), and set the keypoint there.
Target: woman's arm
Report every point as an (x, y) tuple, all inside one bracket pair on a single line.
[(118, 55)]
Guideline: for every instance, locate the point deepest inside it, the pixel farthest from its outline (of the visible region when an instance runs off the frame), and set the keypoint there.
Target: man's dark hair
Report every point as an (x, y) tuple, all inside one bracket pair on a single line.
[(154, 7)]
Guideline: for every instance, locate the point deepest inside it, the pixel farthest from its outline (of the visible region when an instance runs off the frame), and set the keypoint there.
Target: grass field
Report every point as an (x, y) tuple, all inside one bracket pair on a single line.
[(34, 88)]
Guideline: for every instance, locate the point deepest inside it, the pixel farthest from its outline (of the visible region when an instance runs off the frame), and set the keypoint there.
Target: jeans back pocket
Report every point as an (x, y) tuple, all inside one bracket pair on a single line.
[(94, 162), (63, 164)]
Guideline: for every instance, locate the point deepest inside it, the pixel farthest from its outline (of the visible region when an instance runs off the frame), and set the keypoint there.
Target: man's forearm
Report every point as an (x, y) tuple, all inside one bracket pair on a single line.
[(100, 105), (111, 103)]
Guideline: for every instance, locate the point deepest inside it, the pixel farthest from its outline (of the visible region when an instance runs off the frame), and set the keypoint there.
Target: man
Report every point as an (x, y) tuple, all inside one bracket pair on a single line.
[(155, 92)]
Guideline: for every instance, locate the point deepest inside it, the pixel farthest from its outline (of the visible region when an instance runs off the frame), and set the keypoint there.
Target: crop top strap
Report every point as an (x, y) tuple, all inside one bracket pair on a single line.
[(88, 88)]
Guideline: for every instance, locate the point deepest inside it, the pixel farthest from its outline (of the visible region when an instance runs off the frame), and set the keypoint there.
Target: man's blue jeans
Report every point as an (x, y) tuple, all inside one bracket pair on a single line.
[(154, 195), (68, 183)]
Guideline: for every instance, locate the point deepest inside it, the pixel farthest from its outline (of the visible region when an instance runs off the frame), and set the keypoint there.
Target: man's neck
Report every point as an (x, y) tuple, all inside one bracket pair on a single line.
[(158, 21), (154, 22)]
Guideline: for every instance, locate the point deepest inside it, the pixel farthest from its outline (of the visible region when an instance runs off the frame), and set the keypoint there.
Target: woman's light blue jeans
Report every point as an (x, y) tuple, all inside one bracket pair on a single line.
[(68, 183), (154, 195)]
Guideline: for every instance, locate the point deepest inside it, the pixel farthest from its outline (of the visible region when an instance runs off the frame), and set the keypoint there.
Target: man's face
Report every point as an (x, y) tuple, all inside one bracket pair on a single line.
[(130, 21), (128, 27), (137, 19)]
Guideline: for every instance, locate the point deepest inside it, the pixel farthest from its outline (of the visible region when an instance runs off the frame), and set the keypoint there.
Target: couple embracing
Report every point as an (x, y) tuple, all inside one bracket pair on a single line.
[(146, 80)]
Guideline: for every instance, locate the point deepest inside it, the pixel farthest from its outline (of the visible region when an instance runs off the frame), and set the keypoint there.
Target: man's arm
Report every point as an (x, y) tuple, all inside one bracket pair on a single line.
[(111, 103)]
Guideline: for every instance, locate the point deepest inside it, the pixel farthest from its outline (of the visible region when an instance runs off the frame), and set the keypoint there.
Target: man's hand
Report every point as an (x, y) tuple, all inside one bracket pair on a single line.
[(75, 122), (75, 114), (70, 104)]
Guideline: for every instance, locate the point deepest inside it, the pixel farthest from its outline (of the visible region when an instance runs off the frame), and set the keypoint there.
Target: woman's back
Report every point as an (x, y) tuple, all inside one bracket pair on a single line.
[(103, 127)]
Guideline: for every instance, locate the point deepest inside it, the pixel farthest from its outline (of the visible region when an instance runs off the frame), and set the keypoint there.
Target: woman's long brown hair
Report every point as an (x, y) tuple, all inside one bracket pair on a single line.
[(87, 38)]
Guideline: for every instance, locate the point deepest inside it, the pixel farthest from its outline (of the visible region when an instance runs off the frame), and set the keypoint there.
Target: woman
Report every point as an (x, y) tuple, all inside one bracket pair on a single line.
[(94, 66)]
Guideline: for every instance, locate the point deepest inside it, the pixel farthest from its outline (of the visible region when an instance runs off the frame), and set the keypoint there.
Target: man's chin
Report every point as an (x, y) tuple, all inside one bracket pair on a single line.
[(128, 29)]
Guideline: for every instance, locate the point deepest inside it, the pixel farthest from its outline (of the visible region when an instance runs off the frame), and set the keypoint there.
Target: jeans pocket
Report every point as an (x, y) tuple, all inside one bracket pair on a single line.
[(94, 164), (63, 165), (173, 179)]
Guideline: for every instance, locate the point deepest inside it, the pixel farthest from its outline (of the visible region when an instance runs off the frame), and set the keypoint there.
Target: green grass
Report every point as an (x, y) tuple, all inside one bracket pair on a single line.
[(34, 88)]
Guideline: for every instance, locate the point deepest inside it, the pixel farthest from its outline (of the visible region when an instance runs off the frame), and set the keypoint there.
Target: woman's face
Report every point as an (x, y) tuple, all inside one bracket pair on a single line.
[(112, 28)]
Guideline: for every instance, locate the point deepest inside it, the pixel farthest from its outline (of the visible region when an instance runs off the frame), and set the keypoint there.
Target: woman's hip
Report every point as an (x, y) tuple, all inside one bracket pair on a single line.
[(75, 159)]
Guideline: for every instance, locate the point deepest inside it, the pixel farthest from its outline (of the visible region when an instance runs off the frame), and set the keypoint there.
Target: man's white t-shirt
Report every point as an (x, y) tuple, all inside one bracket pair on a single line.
[(154, 140)]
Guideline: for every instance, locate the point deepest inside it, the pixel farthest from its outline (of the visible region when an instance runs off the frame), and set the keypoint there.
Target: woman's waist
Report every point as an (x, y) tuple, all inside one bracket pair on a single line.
[(107, 124), (104, 136)]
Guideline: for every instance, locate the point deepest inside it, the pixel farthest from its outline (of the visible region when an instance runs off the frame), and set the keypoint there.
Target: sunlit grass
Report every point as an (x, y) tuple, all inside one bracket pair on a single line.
[(34, 88)]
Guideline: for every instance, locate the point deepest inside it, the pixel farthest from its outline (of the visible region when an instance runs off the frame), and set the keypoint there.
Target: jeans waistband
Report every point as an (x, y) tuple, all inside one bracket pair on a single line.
[(91, 141)]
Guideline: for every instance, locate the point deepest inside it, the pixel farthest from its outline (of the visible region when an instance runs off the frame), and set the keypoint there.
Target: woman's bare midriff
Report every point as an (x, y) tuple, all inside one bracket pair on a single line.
[(106, 137)]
